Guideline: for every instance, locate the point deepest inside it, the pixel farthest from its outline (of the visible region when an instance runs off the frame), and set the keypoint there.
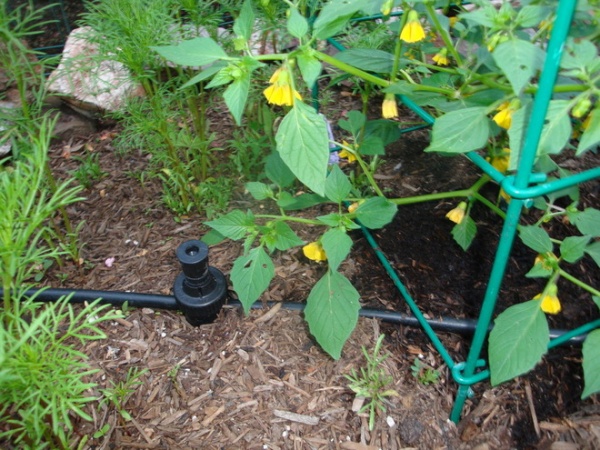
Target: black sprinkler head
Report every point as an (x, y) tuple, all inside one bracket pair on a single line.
[(200, 291)]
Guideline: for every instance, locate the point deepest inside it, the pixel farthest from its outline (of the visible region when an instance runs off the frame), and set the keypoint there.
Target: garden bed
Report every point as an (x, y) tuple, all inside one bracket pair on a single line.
[(229, 384)]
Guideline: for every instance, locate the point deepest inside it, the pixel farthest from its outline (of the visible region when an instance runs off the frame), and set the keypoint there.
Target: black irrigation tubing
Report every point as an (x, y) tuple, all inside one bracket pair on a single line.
[(168, 302)]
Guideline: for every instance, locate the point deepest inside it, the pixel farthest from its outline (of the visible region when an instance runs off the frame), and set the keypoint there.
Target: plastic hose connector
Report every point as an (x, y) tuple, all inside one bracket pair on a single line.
[(200, 291)]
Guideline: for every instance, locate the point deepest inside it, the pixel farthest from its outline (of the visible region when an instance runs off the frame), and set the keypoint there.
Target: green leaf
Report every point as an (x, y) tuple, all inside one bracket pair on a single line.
[(572, 248), (245, 21), (235, 97), (518, 341), (372, 145), (277, 171), (531, 15), (354, 123), (536, 238), (234, 225), (251, 275), (376, 212), (588, 222), (520, 61), (464, 232), (591, 135), (205, 74), (386, 130), (258, 190), (303, 143), (302, 201), (460, 131), (198, 51), (297, 24), (337, 185), (336, 220), (594, 251), (332, 312), (596, 300), (310, 68), (334, 16), (538, 271), (282, 237), (337, 245), (367, 59), (591, 364), (578, 54), (555, 134), (212, 237)]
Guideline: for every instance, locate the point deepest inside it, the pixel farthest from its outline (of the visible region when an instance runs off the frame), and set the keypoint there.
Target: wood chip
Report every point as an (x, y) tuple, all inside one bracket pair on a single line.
[(300, 418)]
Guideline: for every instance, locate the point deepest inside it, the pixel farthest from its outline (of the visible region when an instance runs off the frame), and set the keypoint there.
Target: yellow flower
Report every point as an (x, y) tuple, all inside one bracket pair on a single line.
[(281, 92), (346, 154), (441, 59), (457, 214), (501, 162), (550, 303), (389, 108), (353, 207), (413, 30), (453, 21), (547, 261), (503, 117), (314, 251)]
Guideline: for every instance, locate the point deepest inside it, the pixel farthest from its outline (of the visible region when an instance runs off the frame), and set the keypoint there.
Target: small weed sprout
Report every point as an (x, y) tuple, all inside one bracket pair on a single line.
[(423, 373), (88, 171), (372, 381), (119, 393)]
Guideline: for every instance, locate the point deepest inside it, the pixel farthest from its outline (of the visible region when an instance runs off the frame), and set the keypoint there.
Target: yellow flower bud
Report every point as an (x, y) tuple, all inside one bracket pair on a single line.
[(389, 108), (457, 214), (441, 58), (280, 92)]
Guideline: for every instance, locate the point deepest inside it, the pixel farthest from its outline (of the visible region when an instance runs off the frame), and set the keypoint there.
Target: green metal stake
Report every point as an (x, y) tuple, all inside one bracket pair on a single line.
[(560, 31)]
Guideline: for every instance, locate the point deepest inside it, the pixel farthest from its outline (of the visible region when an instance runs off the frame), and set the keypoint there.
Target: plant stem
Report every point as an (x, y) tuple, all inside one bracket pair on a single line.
[(443, 34), (289, 218), (579, 283)]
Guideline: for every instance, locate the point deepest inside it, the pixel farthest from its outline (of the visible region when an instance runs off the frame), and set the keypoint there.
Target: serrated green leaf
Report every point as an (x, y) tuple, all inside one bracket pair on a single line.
[(297, 24), (235, 97), (588, 222), (310, 68), (572, 248), (251, 275), (386, 130), (531, 15), (354, 123), (337, 245), (464, 232), (205, 74), (332, 220), (376, 212), (520, 61), (555, 134), (245, 21), (368, 59), (539, 271), (536, 238), (198, 51), (518, 341), (594, 251), (212, 237), (372, 145), (332, 312), (591, 364), (302, 201), (591, 136), (234, 225), (337, 185), (578, 54), (460, 131), (277, 171), (281, 237), (303, 143), (334, 16), (258, 190)]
